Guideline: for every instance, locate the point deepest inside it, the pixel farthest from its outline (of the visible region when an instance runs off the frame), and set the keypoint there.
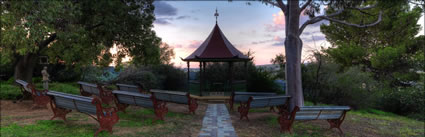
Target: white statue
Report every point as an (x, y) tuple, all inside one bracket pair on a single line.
[(45, 78)]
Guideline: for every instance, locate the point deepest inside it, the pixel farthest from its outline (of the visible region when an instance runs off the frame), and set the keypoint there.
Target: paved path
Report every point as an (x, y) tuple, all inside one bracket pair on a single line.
[(217, 122)]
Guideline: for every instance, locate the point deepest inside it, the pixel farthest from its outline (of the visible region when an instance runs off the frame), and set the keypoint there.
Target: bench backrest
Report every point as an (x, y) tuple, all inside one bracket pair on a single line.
[(244, 96), (24, 84), (133, 98), (171, 96), (74, 102), (131, 88), (267, 101), (89, 87), (320, 112)]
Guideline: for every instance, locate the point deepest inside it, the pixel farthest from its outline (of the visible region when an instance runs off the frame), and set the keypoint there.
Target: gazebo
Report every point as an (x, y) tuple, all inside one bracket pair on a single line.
[(216, 48)]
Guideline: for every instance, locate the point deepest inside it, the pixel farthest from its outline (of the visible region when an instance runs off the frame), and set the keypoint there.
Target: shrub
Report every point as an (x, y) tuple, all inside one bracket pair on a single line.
[(138, 76), (405, 101), (97, 74), (261, 80), (169, 77), (340, 87)]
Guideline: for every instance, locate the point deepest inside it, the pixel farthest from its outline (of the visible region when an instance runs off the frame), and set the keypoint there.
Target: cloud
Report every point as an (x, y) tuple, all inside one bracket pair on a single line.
[(313, 38), (194, 44), (182, 17), (278, 41), (164, 9), (278, 23), (177, 46), (195, 11), (163, 21)]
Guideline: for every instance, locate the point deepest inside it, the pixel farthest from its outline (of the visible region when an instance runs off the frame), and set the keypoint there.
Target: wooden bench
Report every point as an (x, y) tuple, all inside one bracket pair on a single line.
[(335, 115), (131, 88), (280, 102), (63, 103), (125, 98), (39, 97), (89, 89), (176, 97), (238, 97)]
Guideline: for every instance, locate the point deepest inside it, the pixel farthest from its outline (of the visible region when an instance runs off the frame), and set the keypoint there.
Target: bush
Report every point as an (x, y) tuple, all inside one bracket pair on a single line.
[(351, 87), (156, 76), (95, 74), (262, 80), (169, 77), (405, 101), (137, 76)]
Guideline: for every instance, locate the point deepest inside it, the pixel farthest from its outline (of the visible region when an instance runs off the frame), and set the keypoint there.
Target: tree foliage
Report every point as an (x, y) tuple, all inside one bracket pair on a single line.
[(76, 32), (390, 49)]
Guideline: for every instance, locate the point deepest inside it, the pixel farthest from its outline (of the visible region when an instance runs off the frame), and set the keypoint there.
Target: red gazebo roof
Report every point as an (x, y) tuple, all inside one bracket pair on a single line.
[(216, 48)]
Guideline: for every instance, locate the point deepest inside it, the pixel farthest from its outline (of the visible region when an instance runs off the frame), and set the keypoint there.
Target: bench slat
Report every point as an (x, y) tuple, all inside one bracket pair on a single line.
[(256, 93), (24, 84), (133, 98), (89, 87), (125, 87), (171, 96), (326, 108), (312, 117)]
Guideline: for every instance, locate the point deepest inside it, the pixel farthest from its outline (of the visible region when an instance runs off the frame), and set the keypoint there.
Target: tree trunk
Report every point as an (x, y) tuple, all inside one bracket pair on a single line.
[(24, 67), (293, 48)]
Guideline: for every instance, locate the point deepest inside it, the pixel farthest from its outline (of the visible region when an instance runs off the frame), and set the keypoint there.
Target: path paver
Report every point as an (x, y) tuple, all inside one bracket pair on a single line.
[(217, 122)]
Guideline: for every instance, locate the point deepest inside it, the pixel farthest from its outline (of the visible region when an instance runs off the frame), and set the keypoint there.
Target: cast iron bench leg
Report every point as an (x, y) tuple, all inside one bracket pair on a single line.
[(160, 109), (336, 123), (286, 120), (193, 105), (58, 112), (107, 117)]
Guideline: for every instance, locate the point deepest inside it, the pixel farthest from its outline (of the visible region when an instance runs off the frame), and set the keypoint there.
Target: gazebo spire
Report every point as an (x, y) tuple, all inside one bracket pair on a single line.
[(216, 15)]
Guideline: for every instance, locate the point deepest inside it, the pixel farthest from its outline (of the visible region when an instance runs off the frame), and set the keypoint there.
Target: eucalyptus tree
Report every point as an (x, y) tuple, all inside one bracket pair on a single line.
[(76, 32), (292, 10)]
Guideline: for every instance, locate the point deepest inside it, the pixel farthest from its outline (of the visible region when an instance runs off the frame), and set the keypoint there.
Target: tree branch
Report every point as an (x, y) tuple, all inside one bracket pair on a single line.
[(278, 3), (328, 17), (282, 6), (46, 42), (356, 25), (305, 5)]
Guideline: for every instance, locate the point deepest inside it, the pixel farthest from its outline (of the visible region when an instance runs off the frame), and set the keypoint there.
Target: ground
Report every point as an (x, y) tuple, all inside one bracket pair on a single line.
[(19, 119), (370, 123)]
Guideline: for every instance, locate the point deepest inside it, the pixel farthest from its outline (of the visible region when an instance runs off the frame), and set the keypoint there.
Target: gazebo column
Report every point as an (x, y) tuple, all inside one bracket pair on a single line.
[(204, 79), (246, 75), (188, 76), (200, 78)]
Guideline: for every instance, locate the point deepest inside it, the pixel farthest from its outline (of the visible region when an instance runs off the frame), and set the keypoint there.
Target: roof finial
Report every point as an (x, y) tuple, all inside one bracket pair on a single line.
[(216, 15)]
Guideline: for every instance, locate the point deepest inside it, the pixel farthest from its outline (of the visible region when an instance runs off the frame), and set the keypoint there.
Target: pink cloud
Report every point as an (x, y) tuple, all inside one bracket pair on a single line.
[(194, 43), (277, 38), (279, 21)]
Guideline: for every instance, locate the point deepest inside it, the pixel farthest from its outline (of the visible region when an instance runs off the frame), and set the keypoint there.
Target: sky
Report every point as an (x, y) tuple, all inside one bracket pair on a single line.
[(257, 27)]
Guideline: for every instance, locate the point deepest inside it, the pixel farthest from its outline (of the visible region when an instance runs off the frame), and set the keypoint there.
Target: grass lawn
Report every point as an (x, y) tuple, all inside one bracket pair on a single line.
[(368, 122), (18, 119), (11, 92), (135, 122)]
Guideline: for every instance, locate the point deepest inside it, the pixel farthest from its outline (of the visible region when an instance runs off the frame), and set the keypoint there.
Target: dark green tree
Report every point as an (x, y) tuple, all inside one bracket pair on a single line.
[(76, 32), (391, 49)]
